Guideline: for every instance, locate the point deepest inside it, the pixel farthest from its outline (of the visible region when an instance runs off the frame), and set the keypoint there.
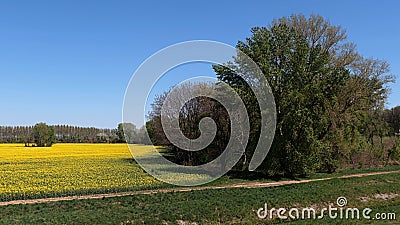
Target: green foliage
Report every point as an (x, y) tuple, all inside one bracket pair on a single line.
[(329, 100), (43, 135), (303, 84), (328, 104), (127, 132), (394, 152), (392, 117)]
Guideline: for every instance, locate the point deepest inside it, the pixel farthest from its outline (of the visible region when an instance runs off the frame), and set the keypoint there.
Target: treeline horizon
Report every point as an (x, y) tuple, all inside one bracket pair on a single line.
[(74, 134), (81, 134)]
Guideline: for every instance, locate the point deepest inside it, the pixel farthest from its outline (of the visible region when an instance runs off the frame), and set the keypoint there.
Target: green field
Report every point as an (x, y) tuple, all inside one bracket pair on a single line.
[(84, 169), (223, 206)]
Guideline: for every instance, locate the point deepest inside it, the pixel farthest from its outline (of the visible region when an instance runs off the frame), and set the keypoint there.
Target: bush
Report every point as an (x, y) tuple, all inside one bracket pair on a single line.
[(394, 152)]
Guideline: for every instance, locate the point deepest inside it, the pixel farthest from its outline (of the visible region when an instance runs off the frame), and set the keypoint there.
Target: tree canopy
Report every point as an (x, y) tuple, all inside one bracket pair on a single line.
[(329, 98), (321, 84), (43, 135)]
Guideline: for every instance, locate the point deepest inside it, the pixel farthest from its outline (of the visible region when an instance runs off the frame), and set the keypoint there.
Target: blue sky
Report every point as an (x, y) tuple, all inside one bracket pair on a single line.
[(69, 62)]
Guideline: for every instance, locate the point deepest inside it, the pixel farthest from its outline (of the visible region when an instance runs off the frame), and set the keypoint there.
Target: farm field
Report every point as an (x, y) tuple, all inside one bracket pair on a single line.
[(219, 206), (70, 169), (85, 169)]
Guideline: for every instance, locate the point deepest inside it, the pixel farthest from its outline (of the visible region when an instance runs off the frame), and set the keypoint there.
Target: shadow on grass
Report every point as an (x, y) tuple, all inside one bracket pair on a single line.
[(128, 160), (253, 176), (233, 174)]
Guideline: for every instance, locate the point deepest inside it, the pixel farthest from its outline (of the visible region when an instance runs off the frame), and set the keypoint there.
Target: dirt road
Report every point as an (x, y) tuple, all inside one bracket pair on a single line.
[(185, 189)]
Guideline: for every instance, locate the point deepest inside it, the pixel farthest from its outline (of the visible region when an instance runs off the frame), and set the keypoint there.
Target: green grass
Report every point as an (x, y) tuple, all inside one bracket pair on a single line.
[(223, 206)]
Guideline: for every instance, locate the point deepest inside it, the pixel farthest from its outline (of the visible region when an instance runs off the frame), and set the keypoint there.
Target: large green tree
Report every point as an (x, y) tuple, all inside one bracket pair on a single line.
[(321, 85), (127, 132), (329, 99), (43, 135)]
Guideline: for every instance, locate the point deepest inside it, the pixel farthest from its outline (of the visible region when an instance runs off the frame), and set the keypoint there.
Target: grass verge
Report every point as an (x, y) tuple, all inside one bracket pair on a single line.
[(222, 206)]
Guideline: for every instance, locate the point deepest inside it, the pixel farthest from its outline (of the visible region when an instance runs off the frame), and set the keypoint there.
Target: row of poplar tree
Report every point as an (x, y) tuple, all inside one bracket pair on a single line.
[(43, 135)]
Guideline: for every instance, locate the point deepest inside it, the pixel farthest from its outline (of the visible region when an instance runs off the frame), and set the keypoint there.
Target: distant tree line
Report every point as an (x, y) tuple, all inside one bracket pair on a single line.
[(329, 100), (392, 117), (68, 134)]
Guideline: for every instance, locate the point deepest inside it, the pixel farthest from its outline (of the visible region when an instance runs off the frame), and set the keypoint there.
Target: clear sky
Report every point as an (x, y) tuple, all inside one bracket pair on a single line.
[(69, 62)]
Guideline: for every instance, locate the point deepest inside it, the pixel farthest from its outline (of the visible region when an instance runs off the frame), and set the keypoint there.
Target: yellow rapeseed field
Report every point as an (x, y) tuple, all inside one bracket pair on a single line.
[(70, 169)]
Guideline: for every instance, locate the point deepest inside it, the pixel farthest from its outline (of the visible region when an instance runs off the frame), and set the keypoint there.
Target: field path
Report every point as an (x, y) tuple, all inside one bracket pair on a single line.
[(186, 189)]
